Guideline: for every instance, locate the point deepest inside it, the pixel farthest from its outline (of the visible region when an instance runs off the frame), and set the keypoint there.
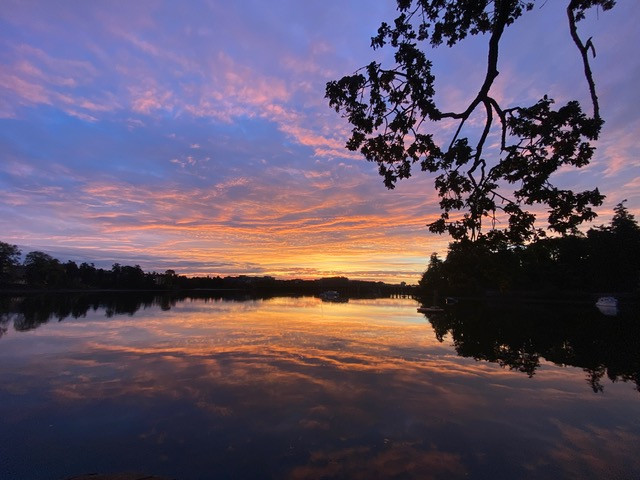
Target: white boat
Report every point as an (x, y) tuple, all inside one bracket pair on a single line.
[(329, 295), (333, 296), (608, 306), (607, 302)]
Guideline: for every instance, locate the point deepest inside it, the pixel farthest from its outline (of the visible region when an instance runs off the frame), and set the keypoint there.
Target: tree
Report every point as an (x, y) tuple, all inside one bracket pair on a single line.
[(434, 279), (394, 115), (606, 259), (43, 270), (615, 252), (88, 274), (71, 273), (9, 260), (169, 278), (624, 223)]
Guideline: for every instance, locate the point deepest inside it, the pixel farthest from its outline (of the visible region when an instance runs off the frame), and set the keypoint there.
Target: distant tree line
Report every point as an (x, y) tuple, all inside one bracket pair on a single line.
[(605, 259), (40, 271)]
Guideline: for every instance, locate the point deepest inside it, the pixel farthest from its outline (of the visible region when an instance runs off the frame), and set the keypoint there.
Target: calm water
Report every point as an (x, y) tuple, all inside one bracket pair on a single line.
[(295, 388)]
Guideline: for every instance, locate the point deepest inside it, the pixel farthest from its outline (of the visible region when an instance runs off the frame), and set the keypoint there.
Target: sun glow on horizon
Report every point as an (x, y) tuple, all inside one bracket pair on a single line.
[(197, 138)]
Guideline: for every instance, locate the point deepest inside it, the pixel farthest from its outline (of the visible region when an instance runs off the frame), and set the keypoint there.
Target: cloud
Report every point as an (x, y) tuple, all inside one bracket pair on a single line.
[(203, 131), (366, 382), (273, 222), (37, 78), (147, 100)]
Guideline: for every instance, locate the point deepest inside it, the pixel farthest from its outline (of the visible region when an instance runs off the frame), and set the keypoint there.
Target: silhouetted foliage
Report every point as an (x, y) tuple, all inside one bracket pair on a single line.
[(434, 278), (518, 336), (43, 272), (9, 261), (606, 259), (616, 252), (513, 335), (394, 116)]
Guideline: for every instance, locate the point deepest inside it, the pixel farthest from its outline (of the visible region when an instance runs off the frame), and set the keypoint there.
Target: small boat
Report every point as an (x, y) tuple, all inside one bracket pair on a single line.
[(329, 295), (333, 296), (607, 302), (451, 301), (608, 306)]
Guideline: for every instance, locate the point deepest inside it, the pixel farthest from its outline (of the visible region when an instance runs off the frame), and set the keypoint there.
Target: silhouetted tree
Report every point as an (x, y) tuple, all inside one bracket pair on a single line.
[(72, 274), (627, 232), (168, 280), (88, 274), (434, 280), (615, 252), (393, 112), (607, 258), (43, 270), (9, 260)]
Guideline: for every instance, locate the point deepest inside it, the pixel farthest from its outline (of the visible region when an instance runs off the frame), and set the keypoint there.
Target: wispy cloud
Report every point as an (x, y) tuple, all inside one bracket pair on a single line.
[(201, 133)]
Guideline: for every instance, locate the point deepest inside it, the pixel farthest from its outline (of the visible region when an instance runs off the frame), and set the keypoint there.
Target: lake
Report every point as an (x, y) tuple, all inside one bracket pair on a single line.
[(200, 387)]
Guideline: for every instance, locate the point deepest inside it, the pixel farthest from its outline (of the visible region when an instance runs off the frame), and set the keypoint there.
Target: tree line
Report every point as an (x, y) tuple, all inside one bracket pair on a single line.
[(41, 271), (605, 259)]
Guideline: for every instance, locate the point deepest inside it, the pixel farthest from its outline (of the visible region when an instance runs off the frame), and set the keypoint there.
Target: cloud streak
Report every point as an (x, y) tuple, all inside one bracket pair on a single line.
[(201, 133)]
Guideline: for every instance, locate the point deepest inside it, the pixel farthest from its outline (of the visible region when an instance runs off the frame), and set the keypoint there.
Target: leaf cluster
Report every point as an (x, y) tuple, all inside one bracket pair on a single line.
[(393, 114)]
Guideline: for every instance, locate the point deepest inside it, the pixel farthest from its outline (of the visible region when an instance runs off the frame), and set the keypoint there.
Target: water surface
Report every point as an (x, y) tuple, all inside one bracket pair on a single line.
[(296, 388)]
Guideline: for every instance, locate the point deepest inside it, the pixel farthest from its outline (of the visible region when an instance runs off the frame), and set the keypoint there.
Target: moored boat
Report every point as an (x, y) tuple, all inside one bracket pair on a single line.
[(330, 295), (608, 306), (607, 302), (333, 296)]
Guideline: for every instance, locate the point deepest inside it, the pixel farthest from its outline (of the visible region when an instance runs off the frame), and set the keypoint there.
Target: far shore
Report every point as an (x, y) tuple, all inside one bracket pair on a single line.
[(492, 298)]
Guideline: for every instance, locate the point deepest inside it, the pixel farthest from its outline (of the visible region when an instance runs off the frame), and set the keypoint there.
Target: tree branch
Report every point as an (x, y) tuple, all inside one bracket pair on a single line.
[(584, 51)]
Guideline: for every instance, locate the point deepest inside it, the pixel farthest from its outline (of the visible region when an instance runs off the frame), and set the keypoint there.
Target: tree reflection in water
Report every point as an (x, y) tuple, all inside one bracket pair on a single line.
[(297, 388), (519, 336), (29, 312), (515, 336)]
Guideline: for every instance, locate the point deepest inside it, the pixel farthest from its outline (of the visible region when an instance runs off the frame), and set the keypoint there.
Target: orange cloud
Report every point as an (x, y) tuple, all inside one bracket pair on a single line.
[(246, 222)]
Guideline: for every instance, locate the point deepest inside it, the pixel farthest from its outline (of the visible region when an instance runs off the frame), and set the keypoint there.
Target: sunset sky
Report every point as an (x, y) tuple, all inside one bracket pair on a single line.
[(195, 135)]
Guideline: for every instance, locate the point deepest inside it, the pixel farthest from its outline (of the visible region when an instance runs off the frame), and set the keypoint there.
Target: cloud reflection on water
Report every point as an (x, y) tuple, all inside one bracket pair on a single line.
[(304, 389)]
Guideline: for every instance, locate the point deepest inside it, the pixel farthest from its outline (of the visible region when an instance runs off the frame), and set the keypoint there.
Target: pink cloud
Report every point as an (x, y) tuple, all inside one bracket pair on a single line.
[(73, 69), (38, 78), (146, 101), (24, 90)]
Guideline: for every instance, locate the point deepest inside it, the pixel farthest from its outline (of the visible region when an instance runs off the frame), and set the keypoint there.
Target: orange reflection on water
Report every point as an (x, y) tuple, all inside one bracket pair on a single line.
[(357, 390)]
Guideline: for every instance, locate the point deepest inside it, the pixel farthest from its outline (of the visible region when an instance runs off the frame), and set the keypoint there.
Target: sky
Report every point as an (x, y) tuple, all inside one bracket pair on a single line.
[(195, 136)]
